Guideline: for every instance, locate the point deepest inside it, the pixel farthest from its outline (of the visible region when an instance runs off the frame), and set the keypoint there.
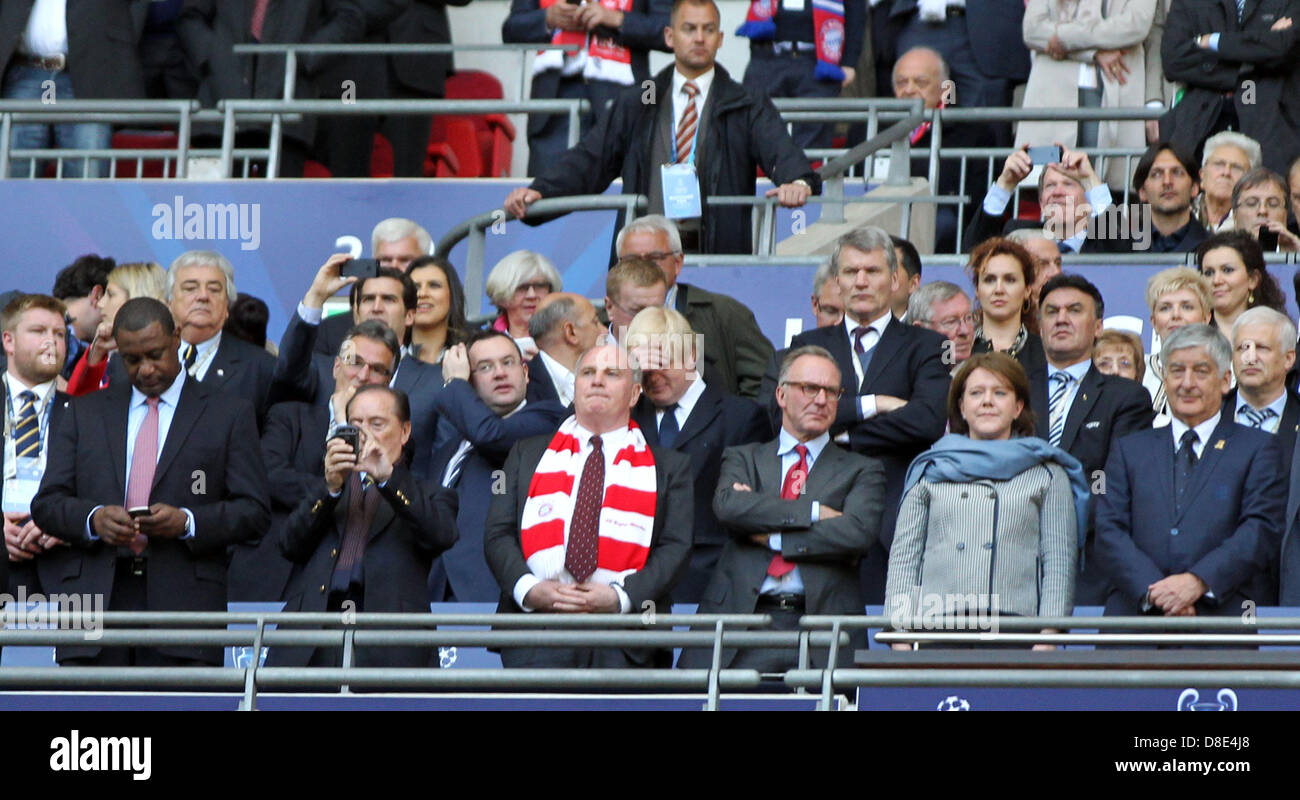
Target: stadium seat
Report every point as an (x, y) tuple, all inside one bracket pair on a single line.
[(482, 143), (144, 140)]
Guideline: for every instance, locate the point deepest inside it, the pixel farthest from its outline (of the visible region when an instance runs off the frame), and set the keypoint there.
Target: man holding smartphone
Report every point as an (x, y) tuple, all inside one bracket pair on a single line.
[(366, 537), (1259, 207)]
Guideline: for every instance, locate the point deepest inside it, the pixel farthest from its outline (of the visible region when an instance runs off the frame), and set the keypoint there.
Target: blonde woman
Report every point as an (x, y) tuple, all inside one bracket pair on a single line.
[(127, 281)]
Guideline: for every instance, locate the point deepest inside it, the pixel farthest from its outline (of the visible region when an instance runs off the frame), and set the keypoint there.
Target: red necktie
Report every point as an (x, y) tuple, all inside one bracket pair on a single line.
[(259, 18), (690, 120), (584, 527), (144, 461), (791, 488)]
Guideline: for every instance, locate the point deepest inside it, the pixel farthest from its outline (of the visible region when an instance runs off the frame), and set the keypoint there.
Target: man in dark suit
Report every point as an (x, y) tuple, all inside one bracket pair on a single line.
[(800, 512), (1189, 524), (484, 412), (594, 476), (293, 445), (34, 343), (1076, 407), (1166, 179), (737, 351), (627, 37), (82, 50), (894, 377), (395, 242), (200, 288), (1072, 196), (1237, 64), (736, 133), (209, 30), (184, 457), (1263, 352), (365, 537), (564, 326), (303, 374), (680, 410)]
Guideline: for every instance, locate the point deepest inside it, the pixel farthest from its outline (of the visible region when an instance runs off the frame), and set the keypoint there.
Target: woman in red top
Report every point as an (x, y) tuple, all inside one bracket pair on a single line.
[(139, 279)]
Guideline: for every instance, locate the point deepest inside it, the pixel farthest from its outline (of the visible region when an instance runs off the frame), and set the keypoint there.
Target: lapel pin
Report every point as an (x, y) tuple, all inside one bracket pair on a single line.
[(221, 373), (1085, 397), (1218, 445)]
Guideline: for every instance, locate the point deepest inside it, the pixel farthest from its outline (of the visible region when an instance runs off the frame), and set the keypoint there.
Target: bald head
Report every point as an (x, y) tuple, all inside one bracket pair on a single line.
[(920, 72), (565, 325)]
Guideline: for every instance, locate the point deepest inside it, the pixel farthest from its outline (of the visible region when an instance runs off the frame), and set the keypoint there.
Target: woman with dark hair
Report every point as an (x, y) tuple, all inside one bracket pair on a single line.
[(989, 512), (1002, 271), (439, 309), (1234, 265)]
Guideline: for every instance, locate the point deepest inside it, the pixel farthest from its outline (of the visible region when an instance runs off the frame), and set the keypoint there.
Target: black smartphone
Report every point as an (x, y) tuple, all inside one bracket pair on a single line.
[(1046, 154), (1267, 240), (138, 511), (360, 268), (350, 434)]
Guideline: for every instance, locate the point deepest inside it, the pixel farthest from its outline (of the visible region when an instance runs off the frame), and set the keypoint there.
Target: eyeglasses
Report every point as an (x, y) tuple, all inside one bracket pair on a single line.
[(1273, 203), (487, 366), (810, 391), (538, 287), (357, 362), (953, 323), (657, 255)]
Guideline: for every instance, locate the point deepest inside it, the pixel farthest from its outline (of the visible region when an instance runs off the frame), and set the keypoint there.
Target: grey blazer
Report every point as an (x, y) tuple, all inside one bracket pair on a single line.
[(1015, 539)]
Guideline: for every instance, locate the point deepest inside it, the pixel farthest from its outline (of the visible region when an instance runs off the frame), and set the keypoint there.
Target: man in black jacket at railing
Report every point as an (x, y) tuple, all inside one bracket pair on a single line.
[(650, 138)]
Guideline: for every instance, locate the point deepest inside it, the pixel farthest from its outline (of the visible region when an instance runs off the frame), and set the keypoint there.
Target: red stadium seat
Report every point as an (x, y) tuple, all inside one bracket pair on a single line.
[(481, 142), (144, 140)]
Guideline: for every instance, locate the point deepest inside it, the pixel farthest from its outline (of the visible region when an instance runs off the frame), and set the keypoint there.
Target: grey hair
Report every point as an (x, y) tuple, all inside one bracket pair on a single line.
[(395, 229), (511, 271), (943, 65), (201, 258), (1238, 140), (652, 223), (1022, 235), (920, 306), (1260, 177), (824, 273), (632, 362), (1204, 336), (798, 353), (866, 239), (1263, 315), (550, 317)]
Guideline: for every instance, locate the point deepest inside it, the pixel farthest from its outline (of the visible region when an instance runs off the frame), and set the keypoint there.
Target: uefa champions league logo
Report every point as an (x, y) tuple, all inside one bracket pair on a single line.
[(1190, 700), (953, 703), (243, 657), (446, 657)]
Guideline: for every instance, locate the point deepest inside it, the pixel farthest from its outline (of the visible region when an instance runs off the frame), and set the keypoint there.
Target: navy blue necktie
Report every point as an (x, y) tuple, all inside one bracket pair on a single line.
[(668, 428), (1184, 464)]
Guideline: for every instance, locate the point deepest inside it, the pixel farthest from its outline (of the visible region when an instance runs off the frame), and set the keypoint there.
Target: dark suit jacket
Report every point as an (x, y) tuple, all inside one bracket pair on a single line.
[(208, 29), (735, 350), (1105, 408), (238, 369), (741, 134), (826, 551), (414, 522), (908, 364), (1268, 109), (999, 48), (103, 62), (1228, 533), (425, 22), (58, 408), (460, 409), (717, 421), (212, 441), (540, 385), (642, 31), (670, 543), (331, 333), (984, 226)]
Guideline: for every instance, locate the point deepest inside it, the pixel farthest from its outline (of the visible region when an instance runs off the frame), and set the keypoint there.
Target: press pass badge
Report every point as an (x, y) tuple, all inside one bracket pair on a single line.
[(21, 484), (681, 190)]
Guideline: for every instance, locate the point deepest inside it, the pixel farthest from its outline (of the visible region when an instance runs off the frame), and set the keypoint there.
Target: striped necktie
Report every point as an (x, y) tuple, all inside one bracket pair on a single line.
[(686, 127), (191, 354), (1056, 406), (27, 430), (1256, 418), (1241, 10)]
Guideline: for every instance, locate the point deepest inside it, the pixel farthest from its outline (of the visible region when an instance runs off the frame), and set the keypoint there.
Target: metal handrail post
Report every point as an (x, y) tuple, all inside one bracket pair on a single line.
[(250, 674), (228, 141), (828, 685), (900, 166), (833, 190), (474, 267), (277, 124), (936, 142), (575, 122), (182, 145), (712, 704), (347, 655)]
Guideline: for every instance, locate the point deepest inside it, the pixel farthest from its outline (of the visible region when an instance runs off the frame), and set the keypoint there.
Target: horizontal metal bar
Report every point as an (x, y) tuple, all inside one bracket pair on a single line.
[(848, 679), (934, 199), (1215, 639), (850, 103), (114, 106), (404, 620), (658, 679), (338, 107), (815, 621), (393, 49)]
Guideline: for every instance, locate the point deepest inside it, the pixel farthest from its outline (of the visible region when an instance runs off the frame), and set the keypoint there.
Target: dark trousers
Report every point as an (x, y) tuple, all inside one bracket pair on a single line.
[(791, 75), (704, 562), (346, 143), (547, 145), (566, 658)]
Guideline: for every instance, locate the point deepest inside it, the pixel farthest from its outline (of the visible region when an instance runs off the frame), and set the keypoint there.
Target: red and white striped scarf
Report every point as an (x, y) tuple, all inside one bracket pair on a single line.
[(627, 513), (593, 57)]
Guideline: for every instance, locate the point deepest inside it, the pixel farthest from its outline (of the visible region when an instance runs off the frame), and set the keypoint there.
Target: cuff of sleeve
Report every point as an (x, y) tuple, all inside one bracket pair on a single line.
[(816, 511), (523, 586), (996, 199), (1155, 104), (774, 541), (189, 524), (1214, 42), (311, 316), (90, 534), (624, 602), (1099, 198), (867, 406)]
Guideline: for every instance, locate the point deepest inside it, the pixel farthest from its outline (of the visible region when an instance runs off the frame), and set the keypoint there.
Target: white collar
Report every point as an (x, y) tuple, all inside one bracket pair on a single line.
[(878, 324), (15, 387), (170, 397), (1203, 431), (690, 397), (702, 83)]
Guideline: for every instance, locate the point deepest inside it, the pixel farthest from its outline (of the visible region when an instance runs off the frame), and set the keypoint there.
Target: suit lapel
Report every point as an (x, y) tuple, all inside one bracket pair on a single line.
[(384, 516), (1038, 402), (1084, 400), (1220, 441), (115, 427), (223, 363), (843, 352), (188, 410), (769, 468), (890, 344), (707, 407), (1290, 424), (644, 415), (824, 467)]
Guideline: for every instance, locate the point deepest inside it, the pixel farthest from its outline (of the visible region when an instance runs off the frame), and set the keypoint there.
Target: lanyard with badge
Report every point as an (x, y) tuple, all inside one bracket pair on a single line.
[(23, 474), (681, 185)]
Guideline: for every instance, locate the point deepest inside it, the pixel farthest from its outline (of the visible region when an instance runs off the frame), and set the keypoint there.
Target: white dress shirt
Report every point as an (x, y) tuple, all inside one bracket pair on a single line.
[(1099, 199), (1203, 432), (1271, 425), (561, 377), (47, 29), (205, 352), (689, 398), (1076, 371), (866, 402), (792, 582), (680, 98)]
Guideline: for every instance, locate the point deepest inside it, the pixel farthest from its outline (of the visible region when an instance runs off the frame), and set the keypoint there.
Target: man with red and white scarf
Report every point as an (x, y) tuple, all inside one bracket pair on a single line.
[(592, 518)]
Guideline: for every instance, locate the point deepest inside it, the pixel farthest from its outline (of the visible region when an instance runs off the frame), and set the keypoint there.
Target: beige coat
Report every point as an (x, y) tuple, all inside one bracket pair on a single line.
[(1130, 25)]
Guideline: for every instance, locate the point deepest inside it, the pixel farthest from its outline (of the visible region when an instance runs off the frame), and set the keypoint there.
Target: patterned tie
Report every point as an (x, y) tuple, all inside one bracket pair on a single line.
[(1241, 10), (144, 461), (1056, 406), (1184, 465), (791, 488), (259, 18), (860, 349), (1256, 418), (1064, 248), (668, 428), (362, 504), (686, 127), (27, 431), (584, 528), (191, 353)]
